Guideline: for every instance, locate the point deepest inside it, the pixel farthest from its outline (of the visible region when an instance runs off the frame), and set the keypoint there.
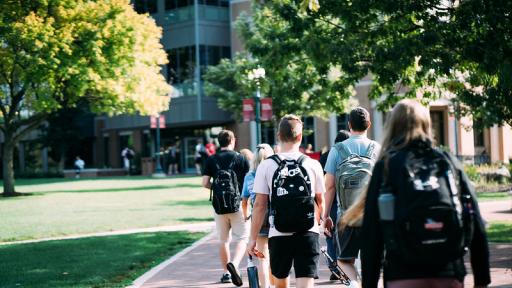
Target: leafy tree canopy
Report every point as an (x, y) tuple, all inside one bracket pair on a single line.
[(54, 53), (460, 50)]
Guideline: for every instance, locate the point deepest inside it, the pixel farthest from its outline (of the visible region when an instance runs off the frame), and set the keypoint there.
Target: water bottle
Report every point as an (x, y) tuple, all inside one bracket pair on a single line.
[(386, 205), (252, 274)]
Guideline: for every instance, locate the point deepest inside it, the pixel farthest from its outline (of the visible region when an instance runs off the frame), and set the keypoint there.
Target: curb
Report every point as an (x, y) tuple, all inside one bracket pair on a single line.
[(137, 283)]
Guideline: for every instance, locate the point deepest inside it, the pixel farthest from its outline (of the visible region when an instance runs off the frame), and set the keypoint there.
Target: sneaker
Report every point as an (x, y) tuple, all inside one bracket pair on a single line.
[(226, 278), (235, 274)]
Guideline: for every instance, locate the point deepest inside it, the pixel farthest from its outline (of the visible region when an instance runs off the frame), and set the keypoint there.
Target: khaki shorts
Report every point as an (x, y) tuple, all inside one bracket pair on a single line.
[(234, 222)]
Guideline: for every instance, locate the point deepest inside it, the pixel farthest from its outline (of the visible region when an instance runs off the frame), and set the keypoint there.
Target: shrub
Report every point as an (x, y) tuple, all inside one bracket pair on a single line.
[(472, 172)]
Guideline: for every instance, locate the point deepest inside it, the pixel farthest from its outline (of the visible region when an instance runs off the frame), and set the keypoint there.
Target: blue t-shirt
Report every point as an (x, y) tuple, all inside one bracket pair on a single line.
[(248, 188), (356, 144)]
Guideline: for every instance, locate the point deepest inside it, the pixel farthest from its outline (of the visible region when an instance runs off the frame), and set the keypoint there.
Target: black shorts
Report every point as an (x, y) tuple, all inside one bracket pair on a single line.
[(302, 250), (348, 243)]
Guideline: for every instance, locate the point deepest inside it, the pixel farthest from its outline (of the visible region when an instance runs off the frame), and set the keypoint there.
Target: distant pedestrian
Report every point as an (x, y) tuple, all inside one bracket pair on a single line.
[(79, 166), (210, 147), (294, 185), (227, 168), (263, 151), (199, 156), (127, 154), (420, 212), (172, 159), (247, 154)]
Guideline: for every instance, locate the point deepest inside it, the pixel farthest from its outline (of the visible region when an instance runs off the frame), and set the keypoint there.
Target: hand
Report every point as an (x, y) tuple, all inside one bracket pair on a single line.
[(328, 225), (251, 248)]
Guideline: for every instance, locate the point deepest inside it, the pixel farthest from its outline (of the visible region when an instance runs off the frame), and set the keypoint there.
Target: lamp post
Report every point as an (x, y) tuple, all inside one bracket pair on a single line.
[(257, 75), (158, 171)]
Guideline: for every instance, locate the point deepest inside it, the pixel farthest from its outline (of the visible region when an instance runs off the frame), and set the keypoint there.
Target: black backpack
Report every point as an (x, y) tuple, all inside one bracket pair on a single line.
[(291, 204), (433, 217), (224, 193)]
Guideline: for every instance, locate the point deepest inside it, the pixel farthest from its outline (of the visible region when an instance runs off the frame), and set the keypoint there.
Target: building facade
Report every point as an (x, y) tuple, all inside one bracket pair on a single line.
[(198, 33)]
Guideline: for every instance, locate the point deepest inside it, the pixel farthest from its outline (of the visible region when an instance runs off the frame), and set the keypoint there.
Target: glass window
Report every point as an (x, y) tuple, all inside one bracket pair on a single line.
[(146, 6), (308, 131), (106, 154), (170, 4), (478, 133), (342, 122), (438, 127), (184, 3), (224, 3)]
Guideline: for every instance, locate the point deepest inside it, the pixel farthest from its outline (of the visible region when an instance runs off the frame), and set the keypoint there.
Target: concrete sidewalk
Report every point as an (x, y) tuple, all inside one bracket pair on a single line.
[(199, 266)]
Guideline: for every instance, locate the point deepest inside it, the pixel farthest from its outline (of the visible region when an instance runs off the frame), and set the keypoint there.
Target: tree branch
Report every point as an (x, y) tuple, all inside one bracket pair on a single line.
[(29, 125)]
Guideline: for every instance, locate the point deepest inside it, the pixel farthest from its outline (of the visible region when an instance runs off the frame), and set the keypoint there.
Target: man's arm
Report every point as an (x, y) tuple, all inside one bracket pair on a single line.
[(258, 214), (330, 192), (206, 182)]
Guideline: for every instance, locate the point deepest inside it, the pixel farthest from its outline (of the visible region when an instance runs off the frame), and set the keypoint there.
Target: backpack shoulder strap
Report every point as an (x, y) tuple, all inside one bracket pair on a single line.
[(276, 159), (371, 149), (342, 150), (301, 159)]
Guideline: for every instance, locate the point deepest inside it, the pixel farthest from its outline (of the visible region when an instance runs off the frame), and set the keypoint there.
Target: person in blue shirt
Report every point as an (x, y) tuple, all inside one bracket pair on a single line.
[(263, 151)]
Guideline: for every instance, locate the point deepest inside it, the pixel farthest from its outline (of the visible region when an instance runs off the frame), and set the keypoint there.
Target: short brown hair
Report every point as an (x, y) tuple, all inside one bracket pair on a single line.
[(290, 128), (359, 119), (225, 137)]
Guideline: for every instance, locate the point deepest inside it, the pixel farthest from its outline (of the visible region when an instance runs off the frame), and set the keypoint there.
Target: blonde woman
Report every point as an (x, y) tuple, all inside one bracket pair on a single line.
[(413, 179), (263, 151)]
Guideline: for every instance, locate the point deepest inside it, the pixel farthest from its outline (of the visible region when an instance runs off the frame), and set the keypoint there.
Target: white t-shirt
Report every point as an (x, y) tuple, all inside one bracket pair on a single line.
[(263, 183)]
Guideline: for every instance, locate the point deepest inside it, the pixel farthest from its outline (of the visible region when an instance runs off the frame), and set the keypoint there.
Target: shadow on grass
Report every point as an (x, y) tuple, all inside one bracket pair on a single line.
[(190, 203), (37, 181), (206, 219), (127, 189), (112, 261)]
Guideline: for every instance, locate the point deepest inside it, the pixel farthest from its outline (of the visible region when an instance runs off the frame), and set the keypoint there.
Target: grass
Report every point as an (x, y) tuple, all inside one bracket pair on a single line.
[(113, 261), (500, 232), (62, 207), (493, 196)]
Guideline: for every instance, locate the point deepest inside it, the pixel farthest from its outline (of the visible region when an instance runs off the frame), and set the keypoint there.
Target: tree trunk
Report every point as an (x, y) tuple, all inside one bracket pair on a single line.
[(8, 171)]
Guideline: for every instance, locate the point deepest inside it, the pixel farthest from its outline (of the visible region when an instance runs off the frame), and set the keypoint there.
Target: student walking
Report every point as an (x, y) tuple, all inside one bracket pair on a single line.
[(79, 166), (291, 183), (227, 169), (127, 154), (420, 212), (333, 213), (263, 151), (348, 170)]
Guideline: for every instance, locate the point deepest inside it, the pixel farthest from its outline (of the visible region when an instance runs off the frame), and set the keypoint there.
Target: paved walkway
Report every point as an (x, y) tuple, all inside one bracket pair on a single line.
[(199, 266)]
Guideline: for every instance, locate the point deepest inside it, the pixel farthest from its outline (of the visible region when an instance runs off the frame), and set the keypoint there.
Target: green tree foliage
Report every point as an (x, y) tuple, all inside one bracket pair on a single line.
[(459, 50), (292, 81), (53, 53)]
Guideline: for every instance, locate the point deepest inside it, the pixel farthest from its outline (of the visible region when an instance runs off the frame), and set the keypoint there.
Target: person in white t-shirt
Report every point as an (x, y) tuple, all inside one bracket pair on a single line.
[(286, 249)]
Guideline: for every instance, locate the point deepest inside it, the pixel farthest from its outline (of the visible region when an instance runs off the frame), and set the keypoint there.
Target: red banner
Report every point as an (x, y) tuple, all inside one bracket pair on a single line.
[(266, 109), (161, 120), (248, 109)]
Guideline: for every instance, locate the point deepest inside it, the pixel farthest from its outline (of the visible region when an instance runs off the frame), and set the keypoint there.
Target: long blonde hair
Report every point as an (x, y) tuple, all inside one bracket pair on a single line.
[(263, 151), (408, 121)]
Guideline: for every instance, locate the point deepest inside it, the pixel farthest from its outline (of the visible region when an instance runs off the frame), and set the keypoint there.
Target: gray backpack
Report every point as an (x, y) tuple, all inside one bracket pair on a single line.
[(353, 174)]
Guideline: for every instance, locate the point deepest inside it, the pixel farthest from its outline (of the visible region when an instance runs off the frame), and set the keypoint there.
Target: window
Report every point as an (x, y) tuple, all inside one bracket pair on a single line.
[(437, 118), (146, 6), (308, 136), (342, 122), (182, 63), (211, 55), (175, 4), (268, 133), (106, 152), (478, 133)]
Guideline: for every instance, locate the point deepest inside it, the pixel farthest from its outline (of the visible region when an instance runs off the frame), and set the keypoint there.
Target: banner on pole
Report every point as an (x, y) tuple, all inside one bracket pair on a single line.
[(161, 122), (248, 109), (266, 109)]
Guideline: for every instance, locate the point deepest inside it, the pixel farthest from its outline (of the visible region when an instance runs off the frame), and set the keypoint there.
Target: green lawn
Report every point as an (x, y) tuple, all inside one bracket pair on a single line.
[(493, 196), (500, 232), (60, 207), (113, 261)]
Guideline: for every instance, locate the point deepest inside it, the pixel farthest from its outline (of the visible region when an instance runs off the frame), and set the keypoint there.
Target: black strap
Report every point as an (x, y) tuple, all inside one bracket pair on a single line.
[(276, 159)]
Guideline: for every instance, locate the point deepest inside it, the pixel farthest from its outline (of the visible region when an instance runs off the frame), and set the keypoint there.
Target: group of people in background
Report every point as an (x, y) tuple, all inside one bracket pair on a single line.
[(402, 206)]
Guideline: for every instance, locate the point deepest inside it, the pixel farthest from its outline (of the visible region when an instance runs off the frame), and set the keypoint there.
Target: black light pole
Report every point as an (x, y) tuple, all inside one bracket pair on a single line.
[(257, 106), (158, 172), (257, 75)]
